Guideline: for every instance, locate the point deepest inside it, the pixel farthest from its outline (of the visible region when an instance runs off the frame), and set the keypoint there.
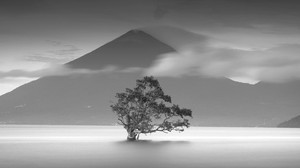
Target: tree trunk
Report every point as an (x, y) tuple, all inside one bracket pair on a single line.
[(132, 136)]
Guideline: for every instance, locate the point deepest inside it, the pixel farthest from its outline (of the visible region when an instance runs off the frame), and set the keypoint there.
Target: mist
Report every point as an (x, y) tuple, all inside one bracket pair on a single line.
[(201, 55), (105, 146)]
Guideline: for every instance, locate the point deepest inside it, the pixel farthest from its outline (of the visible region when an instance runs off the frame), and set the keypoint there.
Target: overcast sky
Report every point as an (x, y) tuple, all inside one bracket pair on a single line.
[(37, 34)]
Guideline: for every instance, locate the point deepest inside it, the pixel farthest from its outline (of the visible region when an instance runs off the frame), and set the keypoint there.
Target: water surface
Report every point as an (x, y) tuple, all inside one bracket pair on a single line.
[(105, 146)]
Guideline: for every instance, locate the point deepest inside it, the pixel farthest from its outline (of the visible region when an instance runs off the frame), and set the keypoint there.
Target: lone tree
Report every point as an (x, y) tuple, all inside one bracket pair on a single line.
[(146, 109)]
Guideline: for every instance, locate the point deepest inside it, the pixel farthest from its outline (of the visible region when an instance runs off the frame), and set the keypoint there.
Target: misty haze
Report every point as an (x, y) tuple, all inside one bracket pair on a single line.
[(105, 146)]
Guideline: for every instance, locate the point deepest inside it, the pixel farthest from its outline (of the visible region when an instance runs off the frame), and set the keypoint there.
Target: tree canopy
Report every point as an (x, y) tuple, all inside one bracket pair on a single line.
[(147, 109)]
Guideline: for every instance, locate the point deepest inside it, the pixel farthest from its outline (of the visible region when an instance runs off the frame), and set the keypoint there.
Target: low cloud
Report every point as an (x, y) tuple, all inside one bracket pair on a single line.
[(131, 70), (12, 79), (63, 70), (53, 70), (205, 57)]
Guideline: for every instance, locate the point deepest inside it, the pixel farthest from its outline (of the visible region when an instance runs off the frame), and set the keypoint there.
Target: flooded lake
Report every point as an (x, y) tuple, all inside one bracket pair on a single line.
[(105, 147)]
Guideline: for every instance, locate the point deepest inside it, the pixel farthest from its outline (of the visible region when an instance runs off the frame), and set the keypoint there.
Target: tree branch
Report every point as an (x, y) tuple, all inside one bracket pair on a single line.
[(122, 122)]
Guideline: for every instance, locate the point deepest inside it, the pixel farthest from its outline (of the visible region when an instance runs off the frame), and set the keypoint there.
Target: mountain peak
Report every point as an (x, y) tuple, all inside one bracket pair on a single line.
[(132, 49), (136, 32)]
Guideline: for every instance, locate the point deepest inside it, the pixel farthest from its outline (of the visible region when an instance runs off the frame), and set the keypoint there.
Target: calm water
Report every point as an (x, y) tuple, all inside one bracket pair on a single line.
[(104, 147)]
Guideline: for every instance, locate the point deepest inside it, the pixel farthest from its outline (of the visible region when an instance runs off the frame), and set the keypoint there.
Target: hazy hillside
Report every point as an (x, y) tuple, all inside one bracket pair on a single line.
[(292, 123), (85, 98)]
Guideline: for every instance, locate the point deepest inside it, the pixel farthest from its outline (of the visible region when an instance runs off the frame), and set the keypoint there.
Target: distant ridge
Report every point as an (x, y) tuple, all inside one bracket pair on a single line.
[(85, 99), (292, 123)]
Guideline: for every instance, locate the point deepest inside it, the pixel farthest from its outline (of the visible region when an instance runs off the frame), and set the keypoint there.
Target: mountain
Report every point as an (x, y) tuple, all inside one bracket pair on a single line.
[(82, 99), (134, 48), (292, 123), (86, 98)]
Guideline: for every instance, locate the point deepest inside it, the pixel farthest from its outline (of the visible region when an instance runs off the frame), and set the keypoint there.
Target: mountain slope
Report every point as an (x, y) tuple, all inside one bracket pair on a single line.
[(137, 47), (82, 99), (85, 98), (292, 123)]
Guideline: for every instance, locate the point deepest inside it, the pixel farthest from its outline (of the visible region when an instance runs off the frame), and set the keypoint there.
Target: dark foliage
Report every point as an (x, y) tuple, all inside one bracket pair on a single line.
[(146, 109)]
